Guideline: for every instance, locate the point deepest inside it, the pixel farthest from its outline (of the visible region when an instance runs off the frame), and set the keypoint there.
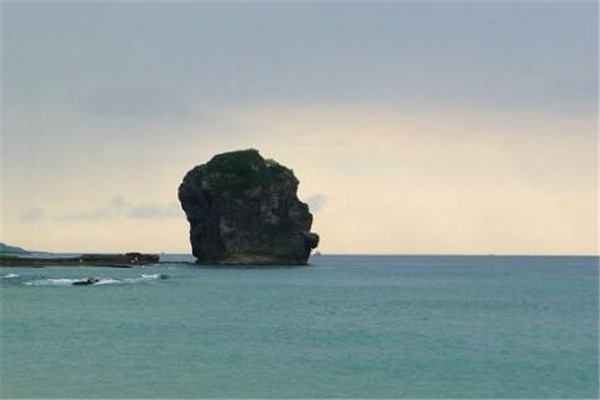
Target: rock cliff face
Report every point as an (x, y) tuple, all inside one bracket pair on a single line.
[(243, 209)]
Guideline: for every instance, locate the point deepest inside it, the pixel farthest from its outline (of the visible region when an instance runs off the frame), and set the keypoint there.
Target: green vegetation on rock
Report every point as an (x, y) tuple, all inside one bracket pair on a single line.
[(238, 171)]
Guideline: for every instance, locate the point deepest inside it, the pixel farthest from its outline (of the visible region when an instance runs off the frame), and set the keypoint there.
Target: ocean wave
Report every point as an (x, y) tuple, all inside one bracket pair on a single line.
[(101, 281), (52, 282), (109, 281), (9, 276)]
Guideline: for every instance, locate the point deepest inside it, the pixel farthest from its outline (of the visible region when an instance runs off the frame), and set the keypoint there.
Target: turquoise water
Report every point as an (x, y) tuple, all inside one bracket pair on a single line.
[(368, 327)]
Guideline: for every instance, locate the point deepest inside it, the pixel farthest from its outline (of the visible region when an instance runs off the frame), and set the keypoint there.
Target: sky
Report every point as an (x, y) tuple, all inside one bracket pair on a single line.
[(414, 128)]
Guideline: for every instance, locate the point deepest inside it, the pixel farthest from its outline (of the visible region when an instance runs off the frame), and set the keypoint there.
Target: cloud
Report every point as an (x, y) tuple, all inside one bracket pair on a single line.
[(117, 207), (33, 215), (145, 211), (90, 215), (316, 202), (111, 210)]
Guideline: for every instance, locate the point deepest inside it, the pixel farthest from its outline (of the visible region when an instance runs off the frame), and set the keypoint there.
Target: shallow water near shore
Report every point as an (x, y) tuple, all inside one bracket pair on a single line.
[(345, 326)]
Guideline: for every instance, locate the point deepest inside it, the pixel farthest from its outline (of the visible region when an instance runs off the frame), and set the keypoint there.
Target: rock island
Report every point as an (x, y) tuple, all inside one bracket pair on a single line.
[(244, 210)]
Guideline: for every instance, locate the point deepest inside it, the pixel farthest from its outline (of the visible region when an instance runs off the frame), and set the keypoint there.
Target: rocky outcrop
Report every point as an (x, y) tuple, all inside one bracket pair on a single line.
[(243, 209), (126, 260)]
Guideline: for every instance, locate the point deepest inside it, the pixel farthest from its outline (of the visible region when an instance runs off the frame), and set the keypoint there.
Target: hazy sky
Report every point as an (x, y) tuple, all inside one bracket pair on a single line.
[(413, 127)]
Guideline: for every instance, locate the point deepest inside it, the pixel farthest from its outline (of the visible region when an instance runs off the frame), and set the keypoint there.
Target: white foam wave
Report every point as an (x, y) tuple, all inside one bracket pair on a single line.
[(9, 276), (143, 278), (151, 276), (52, 282), (102, 281), (108, 281)]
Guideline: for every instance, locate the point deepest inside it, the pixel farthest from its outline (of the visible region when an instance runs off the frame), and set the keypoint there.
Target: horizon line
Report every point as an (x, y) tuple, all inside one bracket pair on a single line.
[(321, 254)]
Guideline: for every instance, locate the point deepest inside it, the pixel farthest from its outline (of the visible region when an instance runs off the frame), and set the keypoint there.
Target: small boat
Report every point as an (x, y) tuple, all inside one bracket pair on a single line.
[(88, 281)]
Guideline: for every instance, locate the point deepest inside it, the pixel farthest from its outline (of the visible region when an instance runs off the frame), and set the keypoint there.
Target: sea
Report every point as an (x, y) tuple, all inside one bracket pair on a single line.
[(454, 327)]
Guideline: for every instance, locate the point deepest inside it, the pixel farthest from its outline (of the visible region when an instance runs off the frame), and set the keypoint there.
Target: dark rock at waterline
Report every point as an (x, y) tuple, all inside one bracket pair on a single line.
[(243, 209), (126, 260)]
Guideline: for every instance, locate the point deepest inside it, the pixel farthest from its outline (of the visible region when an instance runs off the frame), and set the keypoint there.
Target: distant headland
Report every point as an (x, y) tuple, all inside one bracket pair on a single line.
[(9, 249), (244, 210)]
